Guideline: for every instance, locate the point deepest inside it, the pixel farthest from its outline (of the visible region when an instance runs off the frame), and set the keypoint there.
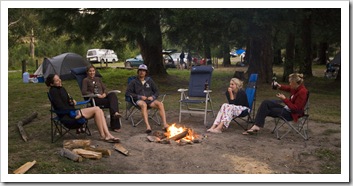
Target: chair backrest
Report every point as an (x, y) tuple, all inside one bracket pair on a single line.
[(251, 90), (80, 74), (129, 79), (198, 76)]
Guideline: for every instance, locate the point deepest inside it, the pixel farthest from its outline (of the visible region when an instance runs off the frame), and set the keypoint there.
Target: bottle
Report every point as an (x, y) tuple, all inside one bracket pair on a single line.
[(71, 100), (274, 78), (25, 77), (206, 85), (95, 88)]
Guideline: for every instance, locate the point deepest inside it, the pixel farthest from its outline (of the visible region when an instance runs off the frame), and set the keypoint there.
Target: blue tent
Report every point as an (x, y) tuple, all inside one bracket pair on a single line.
[(239, 51)]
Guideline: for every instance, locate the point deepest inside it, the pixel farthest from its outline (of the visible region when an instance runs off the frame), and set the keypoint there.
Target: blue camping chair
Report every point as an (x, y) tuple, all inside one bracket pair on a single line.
[(198, 94), (132, 108), (62, 122), (250, 91)]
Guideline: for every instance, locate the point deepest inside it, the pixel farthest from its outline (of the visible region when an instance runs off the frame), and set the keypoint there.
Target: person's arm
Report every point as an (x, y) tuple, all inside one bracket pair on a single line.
[(85, 90), (58, 98), (299, 102), (103, 87), (131, 91)]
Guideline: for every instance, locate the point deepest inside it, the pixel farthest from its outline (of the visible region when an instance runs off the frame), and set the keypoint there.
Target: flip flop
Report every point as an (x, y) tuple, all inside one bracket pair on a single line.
[(250, 132), (148, 131), (112, 140)]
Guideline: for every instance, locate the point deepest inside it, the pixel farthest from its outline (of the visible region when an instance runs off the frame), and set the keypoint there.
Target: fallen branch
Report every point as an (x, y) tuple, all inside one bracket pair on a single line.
[(24, 168), (24, 122)]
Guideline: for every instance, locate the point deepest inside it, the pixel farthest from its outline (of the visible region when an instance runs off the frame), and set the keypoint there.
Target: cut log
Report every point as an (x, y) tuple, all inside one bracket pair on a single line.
[(88, 154), (105, 152), (180, 135), (72, 156), (71, 144), (120, 148), (24, 168), (24, 122)]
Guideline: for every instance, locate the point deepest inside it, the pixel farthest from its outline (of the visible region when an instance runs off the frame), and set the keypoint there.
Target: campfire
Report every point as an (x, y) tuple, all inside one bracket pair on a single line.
[(181, 135)]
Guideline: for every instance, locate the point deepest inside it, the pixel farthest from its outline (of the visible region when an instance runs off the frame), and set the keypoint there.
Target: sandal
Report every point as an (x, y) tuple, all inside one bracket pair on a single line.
[(250, 132), (112, 140), (117, 115)]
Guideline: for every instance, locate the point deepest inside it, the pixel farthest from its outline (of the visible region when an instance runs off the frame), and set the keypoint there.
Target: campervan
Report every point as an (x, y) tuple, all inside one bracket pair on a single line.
[(101, 56)]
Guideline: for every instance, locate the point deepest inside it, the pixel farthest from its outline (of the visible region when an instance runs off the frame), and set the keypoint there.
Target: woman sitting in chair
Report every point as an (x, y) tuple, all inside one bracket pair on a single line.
[(94, 85), (293, 108), (61, 100), (237, 106)]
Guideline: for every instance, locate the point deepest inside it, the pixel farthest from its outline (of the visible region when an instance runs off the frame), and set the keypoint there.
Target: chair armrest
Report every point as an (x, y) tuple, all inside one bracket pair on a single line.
[(83, 102), (90, 96), (114, 91), (182, 90), (207, 91)]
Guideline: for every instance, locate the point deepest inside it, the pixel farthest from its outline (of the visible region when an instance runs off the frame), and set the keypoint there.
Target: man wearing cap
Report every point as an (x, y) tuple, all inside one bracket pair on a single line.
[(145, 93)]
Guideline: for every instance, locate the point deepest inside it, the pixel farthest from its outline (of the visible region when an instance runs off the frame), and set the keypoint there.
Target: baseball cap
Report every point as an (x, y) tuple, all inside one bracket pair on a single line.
[(143, 67)]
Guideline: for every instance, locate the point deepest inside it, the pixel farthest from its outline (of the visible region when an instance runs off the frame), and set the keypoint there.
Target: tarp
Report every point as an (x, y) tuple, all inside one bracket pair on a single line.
[(61, 65)]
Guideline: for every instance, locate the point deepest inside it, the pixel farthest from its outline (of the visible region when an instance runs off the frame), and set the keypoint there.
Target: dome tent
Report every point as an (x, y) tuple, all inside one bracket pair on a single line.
[(61, 65)]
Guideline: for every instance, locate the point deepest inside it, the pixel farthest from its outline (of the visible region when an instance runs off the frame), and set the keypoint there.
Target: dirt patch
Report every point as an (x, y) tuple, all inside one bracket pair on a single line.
[(226, 153)]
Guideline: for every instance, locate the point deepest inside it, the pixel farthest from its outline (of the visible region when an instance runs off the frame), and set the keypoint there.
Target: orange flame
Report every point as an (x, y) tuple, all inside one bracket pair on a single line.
[(173, 130)]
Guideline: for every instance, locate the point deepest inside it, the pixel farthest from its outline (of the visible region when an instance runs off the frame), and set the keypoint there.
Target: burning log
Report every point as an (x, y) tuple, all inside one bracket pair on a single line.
[(180, 135)]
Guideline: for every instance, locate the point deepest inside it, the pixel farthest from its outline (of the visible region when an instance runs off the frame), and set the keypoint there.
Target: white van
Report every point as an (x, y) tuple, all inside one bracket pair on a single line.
[(101, 55)]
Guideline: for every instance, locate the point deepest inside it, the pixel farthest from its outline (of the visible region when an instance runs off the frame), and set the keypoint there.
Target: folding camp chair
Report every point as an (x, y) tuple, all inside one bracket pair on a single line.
[(80, 73), (62, 123), (300, 127), (196, 95), (250, 91), (132, 108)]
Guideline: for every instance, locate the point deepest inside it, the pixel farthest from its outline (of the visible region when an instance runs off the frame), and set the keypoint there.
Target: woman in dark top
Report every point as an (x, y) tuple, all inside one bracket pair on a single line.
[(237, 105), (61, 100), (94, 85)]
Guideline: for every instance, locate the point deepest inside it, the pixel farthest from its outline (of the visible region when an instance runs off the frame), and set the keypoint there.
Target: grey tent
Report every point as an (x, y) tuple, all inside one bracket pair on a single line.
[(61, 65)]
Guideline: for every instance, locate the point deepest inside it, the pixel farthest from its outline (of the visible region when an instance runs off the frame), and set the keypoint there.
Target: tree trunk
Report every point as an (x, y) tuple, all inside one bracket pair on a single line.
[(306, 65), (323, 53), (289, 60), (226, 55), (151, 47)]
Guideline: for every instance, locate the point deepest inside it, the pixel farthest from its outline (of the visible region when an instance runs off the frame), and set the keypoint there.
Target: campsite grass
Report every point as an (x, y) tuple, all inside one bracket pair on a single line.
[(23, 99)]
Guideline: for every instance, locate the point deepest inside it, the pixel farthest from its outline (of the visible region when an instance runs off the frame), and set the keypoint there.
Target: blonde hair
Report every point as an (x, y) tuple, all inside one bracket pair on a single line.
[(238, 82), (296, 77)]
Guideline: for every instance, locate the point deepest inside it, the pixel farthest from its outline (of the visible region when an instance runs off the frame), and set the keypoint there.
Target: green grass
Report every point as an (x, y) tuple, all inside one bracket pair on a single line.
[(23, 99)]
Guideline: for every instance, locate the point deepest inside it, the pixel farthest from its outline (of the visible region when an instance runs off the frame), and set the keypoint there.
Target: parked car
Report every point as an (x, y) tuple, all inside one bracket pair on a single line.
[(134, 62), (138, 60), (101, 55)]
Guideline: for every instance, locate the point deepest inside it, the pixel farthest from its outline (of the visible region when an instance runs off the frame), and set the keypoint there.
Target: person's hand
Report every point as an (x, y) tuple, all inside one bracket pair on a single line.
[(143, 98), (150, 98), (281, 96), (102, 95), (230, 90), (276, 84)]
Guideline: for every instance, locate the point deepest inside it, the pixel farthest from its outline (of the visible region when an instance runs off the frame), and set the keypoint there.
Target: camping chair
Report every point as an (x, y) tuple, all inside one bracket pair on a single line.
[(198, 93), (300, 127), (62, 123), (80, 74), (132, 108), (250, 91)]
